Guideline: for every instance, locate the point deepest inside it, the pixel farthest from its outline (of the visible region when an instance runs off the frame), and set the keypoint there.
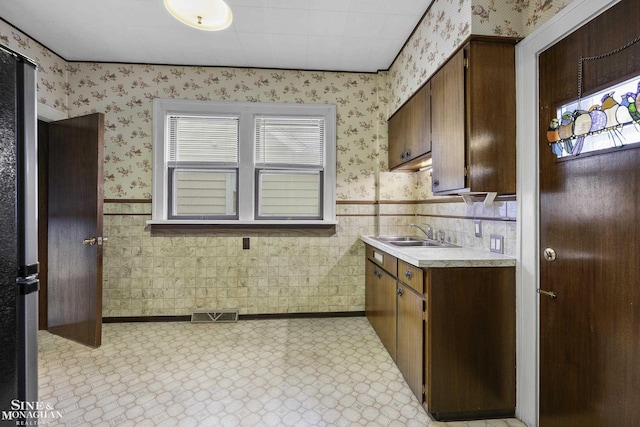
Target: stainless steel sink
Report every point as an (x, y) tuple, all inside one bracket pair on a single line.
[(412, 241)]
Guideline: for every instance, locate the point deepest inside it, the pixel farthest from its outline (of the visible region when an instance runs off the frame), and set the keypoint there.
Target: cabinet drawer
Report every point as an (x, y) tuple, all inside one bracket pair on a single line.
[(383, 259), (411, 276)]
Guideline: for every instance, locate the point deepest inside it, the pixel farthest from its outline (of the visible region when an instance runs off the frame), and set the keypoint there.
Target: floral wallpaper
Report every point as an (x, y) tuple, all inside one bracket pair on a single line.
[(443, 29), (52, 74), (447, 24), (512, 18), (125, 93)]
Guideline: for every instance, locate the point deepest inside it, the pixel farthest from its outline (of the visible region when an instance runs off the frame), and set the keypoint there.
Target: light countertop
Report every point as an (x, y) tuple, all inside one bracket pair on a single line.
[(442, 257)]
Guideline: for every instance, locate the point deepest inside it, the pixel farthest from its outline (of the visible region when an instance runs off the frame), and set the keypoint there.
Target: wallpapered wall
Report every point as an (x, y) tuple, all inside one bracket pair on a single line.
[(172, 275), (447, 24)]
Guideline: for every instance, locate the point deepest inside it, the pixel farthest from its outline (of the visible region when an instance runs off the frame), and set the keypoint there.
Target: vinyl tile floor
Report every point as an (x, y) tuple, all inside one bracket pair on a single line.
[(293, 372)]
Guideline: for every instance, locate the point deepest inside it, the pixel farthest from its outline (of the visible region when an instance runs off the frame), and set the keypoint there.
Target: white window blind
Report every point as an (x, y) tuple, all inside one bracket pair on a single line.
[(202, 139), (289, 141)]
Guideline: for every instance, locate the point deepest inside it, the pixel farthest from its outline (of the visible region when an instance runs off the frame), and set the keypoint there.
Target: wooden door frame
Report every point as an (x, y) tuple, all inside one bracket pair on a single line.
[(568, 20), (45, 114)]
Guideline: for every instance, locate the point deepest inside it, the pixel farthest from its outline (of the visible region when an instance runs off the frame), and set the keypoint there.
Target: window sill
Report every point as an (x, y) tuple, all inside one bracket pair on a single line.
[(240, 228)]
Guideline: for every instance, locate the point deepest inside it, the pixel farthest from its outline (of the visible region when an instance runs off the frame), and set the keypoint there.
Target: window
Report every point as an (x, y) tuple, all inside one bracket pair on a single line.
[(233, 162), (202, 166), (603, 121)]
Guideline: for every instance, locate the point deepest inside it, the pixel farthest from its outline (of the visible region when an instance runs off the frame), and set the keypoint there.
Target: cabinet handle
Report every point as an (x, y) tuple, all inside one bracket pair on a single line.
[(408, 275), (408, 153), (399, 292), (377, 273), (436, 183), (402, 156)]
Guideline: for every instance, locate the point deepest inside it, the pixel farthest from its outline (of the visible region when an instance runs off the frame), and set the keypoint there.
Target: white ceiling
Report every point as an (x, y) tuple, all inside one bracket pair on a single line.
[(336, 35)]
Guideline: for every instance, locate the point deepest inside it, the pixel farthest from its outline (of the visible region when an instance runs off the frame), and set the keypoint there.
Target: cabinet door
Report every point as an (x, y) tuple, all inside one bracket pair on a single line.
[(491, 107), (410, 129), (419, 136), (409, 356), (380, 305), (397, 128), (448, 125)]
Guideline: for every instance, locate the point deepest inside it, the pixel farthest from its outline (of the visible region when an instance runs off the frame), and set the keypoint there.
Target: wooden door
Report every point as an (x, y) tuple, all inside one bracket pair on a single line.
[(409, 357), (589, 214), (448, 126), (76, 195)]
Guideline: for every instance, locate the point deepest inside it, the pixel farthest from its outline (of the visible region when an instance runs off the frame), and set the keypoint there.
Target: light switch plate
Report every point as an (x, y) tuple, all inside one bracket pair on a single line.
[(477, 226), (496, 243)]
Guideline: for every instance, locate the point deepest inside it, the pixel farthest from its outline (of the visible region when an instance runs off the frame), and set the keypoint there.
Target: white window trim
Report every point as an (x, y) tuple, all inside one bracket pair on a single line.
[(246, 178)]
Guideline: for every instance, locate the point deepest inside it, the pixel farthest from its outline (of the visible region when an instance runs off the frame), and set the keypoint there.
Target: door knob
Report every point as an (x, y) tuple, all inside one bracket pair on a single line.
[(94, 241), (549, 254)]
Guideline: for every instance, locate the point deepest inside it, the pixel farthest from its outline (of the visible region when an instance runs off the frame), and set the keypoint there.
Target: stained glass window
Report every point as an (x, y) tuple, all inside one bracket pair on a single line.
[(607, 119)]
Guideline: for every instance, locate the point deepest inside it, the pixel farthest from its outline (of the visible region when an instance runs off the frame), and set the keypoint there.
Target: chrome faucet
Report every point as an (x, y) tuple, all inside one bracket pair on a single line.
[(428, 231), (441, 236)]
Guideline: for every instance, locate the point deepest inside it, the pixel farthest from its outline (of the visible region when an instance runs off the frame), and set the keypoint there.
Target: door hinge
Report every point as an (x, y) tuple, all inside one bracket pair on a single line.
[(424, 389), (465, 61), (424, 315), (466, 171)]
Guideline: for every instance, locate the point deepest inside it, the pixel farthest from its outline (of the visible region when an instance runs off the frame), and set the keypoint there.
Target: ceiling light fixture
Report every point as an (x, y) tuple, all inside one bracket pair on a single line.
[(207, 15)]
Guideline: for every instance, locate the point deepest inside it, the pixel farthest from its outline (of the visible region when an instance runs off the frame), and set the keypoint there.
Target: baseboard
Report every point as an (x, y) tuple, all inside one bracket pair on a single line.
[(126, 319), (265, 316), (313, 315)]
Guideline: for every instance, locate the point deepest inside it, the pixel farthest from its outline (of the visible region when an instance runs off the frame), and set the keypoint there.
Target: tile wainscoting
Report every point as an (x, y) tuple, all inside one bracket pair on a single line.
[(152, 276), (172, 276)]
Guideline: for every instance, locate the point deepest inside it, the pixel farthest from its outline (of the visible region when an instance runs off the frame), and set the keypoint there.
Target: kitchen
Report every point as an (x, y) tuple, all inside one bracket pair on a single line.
[(151, 276)]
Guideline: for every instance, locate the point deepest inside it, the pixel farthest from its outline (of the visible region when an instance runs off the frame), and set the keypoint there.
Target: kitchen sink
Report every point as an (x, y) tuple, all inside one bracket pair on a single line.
[(412, 241)]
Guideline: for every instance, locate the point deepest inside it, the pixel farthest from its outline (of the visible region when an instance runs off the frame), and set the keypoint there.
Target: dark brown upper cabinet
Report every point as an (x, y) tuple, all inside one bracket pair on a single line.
[(473, 119), (410, 132)]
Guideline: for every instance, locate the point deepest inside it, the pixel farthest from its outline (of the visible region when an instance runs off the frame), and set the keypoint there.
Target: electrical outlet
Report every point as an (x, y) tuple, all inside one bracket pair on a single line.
[(477, 225), (245, 243), (496, 243)]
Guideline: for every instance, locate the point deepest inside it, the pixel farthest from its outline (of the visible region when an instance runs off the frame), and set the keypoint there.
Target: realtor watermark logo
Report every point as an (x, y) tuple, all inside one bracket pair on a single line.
[(30, 413)]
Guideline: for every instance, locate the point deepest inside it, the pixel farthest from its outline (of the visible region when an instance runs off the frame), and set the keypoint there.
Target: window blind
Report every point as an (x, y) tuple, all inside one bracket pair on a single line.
[(202, 139), (289, 141)]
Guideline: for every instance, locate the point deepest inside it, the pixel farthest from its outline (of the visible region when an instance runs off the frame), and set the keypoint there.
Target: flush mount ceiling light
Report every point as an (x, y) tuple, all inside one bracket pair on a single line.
[(208, 15)]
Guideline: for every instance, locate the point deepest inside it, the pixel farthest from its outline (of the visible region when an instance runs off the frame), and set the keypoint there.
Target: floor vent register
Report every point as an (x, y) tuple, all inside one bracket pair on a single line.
[(215, 316)]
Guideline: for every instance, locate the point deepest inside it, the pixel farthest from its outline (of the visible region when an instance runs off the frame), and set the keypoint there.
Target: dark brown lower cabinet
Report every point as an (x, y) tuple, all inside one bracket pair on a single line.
[(451, 332), (469, 342)]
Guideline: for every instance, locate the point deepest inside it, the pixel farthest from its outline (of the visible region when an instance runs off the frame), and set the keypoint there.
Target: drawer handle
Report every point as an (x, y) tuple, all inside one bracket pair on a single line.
[(377, 273), (399, 292), (408, 275)]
